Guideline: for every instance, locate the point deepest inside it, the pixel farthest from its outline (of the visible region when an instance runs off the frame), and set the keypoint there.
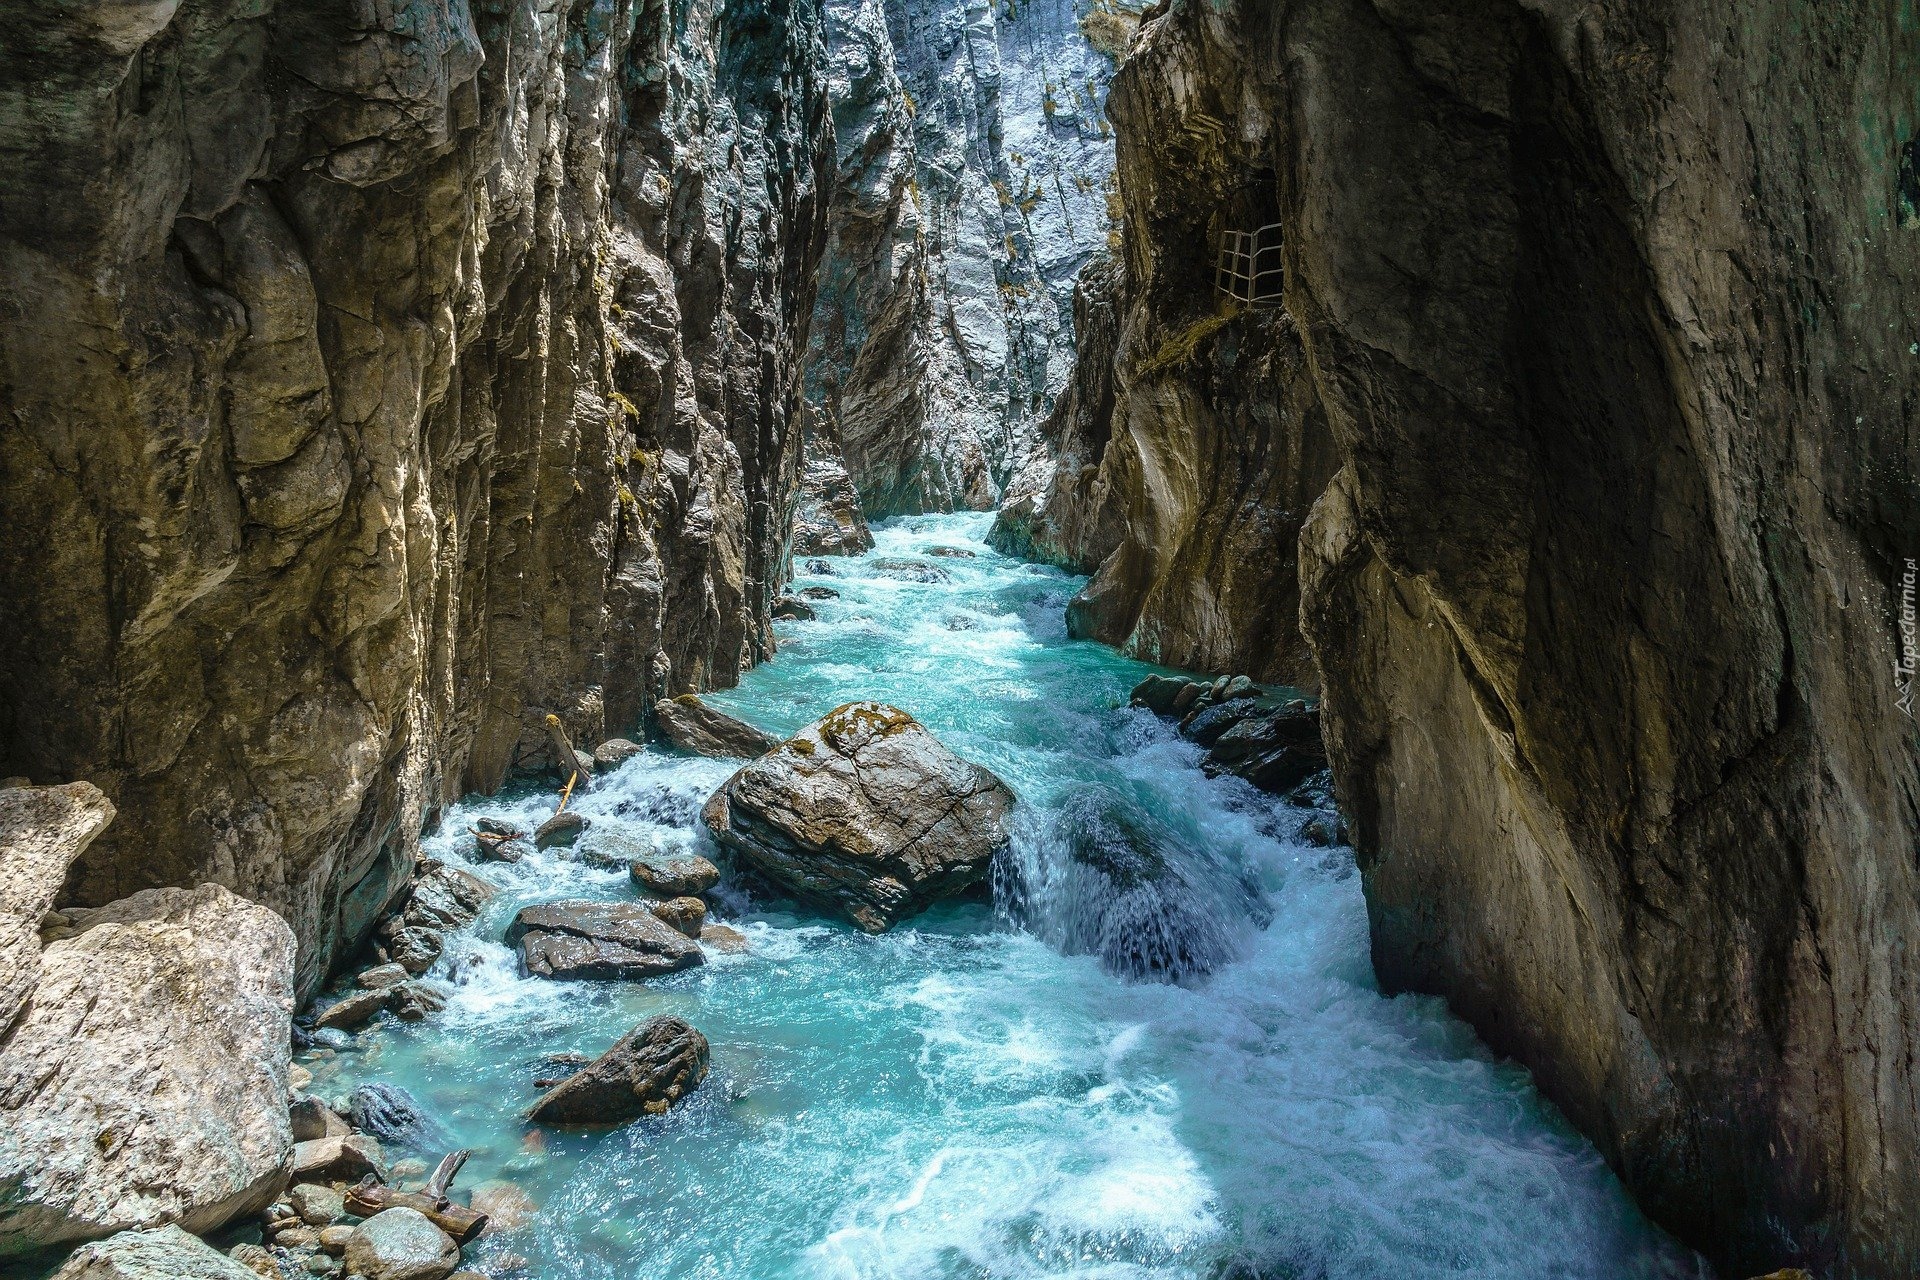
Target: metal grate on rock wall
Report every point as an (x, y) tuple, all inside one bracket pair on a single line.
[(1249, 267)]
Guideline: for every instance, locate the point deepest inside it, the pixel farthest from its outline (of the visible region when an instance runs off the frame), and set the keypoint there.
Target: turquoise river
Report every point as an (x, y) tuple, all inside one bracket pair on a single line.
[(963, 1098)]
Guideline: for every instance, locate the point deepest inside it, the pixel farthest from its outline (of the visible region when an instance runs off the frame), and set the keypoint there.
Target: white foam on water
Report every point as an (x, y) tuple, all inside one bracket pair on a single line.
[(958, 1100)]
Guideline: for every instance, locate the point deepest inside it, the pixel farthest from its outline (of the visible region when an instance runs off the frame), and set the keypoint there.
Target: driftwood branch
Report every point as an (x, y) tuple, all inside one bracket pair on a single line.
[(444, 1173), (457, 1220), (563, 751)]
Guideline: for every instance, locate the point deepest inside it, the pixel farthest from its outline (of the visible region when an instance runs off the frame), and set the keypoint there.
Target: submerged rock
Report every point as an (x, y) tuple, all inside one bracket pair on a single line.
[(401, 1244), (1275, 751), (818, 593), (561, 830), (395, 1117), (585, 939), (909, 570), (165, 1253), (647, 1071), (506, 1205), (145, 1080), (692, 725), (866, 813), (1111, 882)]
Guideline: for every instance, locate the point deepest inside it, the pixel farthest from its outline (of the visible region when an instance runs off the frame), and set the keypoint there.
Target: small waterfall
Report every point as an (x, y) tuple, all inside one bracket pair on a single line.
[(1100, 876)]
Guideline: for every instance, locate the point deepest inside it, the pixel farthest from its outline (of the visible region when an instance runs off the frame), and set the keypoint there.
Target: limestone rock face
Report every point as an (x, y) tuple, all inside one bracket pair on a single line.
[(972, 185), (1603, 591), (646, 1072), (375, 385), (866, 813), (166, 1253), (146, 1079), (42, 830)]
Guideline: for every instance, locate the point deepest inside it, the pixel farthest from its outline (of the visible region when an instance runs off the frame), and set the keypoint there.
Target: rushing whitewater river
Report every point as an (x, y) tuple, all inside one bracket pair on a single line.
[(961, 1099)]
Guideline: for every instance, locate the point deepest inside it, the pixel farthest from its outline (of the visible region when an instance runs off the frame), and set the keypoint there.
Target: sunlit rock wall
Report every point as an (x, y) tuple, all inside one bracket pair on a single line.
[(374, 378)]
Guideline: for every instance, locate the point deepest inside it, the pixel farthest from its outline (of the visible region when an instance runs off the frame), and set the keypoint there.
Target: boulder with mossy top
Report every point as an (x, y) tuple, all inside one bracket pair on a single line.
[(865, 813)]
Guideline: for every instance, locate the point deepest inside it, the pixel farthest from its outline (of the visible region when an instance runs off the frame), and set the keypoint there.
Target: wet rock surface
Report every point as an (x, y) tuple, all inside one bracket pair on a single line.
[(394, 1117), (586, 939), (866, 813), (692, 725), (675, 875), (1110, 882), (646, 1072)]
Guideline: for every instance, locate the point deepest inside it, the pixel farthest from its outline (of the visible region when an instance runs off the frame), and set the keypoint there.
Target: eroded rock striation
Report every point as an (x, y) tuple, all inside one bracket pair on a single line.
[(377, 380), (972, 185), (1600, 319)]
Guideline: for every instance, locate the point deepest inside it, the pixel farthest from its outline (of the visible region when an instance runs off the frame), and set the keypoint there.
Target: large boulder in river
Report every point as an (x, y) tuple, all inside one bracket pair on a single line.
[(167, 1253), (692, 725), (866, 813), (145, 1082), (644, 1073), (587, 939)]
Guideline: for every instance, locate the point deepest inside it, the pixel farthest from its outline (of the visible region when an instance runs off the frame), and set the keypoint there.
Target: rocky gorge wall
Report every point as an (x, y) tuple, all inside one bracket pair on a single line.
[(974, 165), (376, 378), (1599, 320)]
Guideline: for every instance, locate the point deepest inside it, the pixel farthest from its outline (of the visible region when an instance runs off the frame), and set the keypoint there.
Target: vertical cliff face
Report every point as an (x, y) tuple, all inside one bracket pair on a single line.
[(375, 378), (973, 172), (1192, 443), (1608, 313)]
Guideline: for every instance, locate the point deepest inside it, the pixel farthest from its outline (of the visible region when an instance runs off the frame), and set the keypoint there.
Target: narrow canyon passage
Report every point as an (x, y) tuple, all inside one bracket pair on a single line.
[(987, 1090)]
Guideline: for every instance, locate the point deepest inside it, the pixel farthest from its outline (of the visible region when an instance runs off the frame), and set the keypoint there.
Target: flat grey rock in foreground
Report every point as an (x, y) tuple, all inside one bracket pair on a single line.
[(167, 1253), (587, 939)]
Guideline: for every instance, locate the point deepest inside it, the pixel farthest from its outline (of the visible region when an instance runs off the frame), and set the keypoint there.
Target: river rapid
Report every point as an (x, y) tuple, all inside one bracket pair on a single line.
[(966, 1097)]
